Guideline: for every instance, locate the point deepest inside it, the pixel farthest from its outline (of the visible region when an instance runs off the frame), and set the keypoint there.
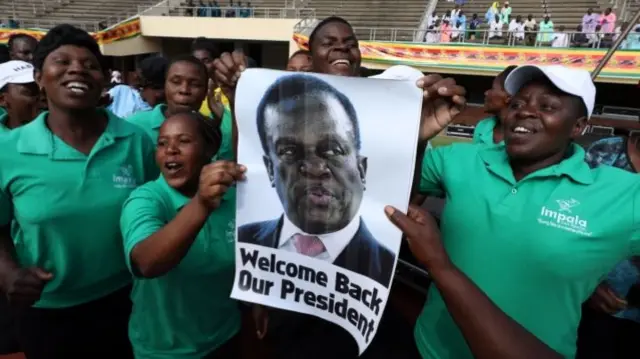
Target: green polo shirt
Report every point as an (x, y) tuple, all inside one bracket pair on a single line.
[(186, 313), (152, 120), (483, 133), (537, 247), (64, 206), (2, 111)]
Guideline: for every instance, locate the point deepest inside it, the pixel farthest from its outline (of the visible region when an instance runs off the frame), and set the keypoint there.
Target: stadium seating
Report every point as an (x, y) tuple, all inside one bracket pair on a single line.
[(562, 12)]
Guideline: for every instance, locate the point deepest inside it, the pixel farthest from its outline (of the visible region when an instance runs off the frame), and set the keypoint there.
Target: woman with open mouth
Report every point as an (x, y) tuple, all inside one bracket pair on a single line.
[(63, 179), (179, 234)]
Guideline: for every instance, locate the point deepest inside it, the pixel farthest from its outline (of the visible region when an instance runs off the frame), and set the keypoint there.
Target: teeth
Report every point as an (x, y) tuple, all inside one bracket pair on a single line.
[(77, 85), (521, 129), (172, 165), (343, 62)]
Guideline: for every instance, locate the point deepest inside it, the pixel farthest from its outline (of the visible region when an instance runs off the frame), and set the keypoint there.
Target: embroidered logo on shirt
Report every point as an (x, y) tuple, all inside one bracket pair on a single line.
[(231, 231), (124, 178), (563, 218), (566, 205)]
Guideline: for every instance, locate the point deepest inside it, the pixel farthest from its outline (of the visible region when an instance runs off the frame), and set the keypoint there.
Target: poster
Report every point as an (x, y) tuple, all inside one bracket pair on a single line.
[(324, 155)]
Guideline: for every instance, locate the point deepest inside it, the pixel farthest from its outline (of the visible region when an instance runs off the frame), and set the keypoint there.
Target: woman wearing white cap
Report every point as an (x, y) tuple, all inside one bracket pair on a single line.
[(524, 221), (19, 95)]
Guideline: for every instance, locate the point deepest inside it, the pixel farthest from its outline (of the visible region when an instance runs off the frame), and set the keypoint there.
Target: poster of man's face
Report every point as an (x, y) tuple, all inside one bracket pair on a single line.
[(312, 156)]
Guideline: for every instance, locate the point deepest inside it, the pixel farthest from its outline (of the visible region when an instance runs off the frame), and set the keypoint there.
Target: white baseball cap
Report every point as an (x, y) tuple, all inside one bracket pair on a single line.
[(572, 81), (16, 72), (399, 72)]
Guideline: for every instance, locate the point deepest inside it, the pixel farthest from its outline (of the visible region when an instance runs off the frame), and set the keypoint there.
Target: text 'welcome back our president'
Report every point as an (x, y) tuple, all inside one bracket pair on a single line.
[(311, 140)]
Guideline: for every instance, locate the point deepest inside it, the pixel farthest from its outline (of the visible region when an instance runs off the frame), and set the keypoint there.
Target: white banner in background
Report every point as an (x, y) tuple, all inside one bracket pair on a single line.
[(324, 155)]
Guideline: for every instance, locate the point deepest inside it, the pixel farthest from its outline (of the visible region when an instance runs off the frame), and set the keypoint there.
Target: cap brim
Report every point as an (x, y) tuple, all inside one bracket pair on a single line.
[(521, 76), (25, 78)]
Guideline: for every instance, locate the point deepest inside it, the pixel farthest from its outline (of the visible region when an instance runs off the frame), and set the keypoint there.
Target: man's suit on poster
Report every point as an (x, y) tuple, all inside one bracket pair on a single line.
[(363, 254)]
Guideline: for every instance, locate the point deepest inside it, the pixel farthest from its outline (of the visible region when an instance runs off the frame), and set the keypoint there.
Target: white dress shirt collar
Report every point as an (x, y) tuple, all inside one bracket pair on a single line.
[(334, 243)]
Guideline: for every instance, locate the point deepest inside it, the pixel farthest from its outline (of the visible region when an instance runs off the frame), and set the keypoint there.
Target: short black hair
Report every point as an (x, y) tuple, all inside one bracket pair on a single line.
[(287, 92), (17, 37), (323, 23), (204, 44), (153, 71), (190, 59), (62, 35), (4, 54), (211, 133)]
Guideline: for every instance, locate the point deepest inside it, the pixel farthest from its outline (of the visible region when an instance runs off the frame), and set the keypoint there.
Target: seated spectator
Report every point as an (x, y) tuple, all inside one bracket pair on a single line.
[(505, 13), (431, 20), (545, 30), (215, 9), (457, 32), (492, 12), (560, 38), (608, 21), (632, 42), (446, 16), (473, 25), (530, 29), (202, 9), (462, 18), (495, 28), (189, 8), (580, 38), (455, 13), (231, 12), (516, 28), (432, 36), (590, 21)]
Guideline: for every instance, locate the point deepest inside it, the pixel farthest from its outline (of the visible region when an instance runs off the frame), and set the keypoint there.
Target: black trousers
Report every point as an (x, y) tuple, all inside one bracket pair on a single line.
[(601, 336), (8, 340), (228, 350), (97, 329)]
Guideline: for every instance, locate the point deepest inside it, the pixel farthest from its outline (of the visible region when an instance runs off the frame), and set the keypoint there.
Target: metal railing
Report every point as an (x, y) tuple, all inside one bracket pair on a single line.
[(484, 37), (46, 24), (228, 12)]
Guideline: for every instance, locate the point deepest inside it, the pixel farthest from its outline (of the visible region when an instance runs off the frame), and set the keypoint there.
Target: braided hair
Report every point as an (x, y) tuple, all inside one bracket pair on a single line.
[(210, 132)]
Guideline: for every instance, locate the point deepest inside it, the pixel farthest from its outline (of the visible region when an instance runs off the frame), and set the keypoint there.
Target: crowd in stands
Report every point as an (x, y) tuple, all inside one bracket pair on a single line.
[(114, 232), (499, 26), (202, 8)]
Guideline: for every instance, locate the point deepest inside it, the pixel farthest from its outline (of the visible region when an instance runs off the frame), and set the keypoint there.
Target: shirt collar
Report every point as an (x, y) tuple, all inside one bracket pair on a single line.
[(36, 138), (574, 166), (157, 116), (3, 120), (333, 242)]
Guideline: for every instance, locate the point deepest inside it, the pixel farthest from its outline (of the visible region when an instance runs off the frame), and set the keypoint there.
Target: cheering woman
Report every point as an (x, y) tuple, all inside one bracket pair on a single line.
[(179, 236), (63, 180)]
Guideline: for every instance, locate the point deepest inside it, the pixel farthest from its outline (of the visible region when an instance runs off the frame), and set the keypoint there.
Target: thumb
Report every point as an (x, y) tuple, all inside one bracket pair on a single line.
[(398, 218), (41, 274)]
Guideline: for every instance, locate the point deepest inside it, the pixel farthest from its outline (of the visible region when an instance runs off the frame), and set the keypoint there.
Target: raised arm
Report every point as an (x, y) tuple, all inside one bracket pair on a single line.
[(489, 332)]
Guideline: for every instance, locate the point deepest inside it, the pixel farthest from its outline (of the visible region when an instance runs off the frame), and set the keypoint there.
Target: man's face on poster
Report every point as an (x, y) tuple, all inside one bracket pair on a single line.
[(313, 162)]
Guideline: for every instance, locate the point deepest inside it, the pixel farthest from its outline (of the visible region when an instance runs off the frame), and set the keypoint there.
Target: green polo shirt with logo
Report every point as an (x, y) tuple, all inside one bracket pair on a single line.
[(64, 206), (186, 313), (537, 247), (3, 119), (483, 133), (152, 120)]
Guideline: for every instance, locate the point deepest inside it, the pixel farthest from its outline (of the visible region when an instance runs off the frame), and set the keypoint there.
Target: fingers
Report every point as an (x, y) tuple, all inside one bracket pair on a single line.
[(606, 300), (417, 214), (399, 219), (240, 60), (236, 171), (41, 274)]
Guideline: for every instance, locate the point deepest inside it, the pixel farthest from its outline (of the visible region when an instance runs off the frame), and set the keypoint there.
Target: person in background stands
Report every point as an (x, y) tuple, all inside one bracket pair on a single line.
[(608, 21), (179, 233), (505, 13), (492, 12), (579, 38), (21, 47), (496, 102), (63, 180), (560, 38), (474, 24), (445, 31), (545, 31), (206, 51), (431, 20), (4, 54), (516, 29), (595, 37), (589, 21), (495, 28), (530, 30), (231, 12), (19, 95), (610, 324), (300, 61)]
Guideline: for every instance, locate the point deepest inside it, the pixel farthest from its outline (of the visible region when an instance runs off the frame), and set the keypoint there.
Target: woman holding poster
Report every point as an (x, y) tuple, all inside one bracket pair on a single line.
[(178, 236)]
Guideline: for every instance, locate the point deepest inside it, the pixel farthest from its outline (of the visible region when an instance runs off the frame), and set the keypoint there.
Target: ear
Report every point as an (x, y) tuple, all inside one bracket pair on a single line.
[(269, 166), (37, 76), (3, 100), (362, 168), (578, 128)]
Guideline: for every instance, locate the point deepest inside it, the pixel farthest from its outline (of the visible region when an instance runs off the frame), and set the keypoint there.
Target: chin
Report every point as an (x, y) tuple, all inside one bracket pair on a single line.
[(176, 182)]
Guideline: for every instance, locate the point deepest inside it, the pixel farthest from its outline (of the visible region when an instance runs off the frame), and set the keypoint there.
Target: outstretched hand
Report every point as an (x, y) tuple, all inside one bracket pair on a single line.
[(443, 99)]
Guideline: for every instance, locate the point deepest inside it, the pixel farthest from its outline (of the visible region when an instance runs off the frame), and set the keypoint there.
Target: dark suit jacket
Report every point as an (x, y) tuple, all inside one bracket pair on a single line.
[(362, 255)]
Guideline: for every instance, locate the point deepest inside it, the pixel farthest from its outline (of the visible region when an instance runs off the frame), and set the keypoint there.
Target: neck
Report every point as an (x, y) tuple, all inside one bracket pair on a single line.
[(13, 121), (522, 168), (75, 125)]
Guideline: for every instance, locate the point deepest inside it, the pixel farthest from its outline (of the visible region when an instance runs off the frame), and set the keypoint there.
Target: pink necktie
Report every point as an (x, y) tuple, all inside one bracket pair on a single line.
[(308, 245)]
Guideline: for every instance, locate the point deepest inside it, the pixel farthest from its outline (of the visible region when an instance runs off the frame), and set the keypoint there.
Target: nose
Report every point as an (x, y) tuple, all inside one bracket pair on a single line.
[(526, 111), (315, 166), (171, 148)]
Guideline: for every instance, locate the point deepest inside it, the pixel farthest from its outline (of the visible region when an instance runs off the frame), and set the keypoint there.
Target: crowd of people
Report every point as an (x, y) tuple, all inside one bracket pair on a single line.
[(212, 8), (498, 25), (115, 240)]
